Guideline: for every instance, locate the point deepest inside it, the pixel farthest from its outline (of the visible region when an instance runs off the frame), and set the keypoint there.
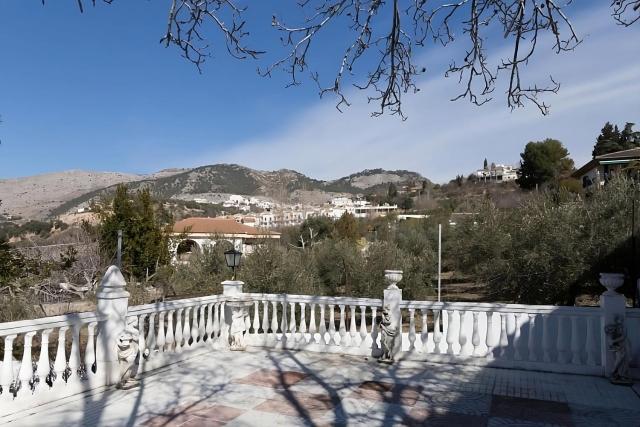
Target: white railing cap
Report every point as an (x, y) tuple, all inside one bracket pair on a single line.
[(173, 304), (314, 299), (70, 319), (502, 308)]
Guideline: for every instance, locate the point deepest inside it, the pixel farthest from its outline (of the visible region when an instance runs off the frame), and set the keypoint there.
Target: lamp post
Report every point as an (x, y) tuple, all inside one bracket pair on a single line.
[(232, 257)]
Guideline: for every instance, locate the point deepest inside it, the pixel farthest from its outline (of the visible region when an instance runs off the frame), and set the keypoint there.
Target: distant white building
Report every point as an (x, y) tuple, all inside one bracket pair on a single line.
[(192, 234), (498, 173), (341, 201)]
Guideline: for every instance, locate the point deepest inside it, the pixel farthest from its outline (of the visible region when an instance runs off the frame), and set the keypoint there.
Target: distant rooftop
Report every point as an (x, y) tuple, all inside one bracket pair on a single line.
[(624, 154), (217, 226)]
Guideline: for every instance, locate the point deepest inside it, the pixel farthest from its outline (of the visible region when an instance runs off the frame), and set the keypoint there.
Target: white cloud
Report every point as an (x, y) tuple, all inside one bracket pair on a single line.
[(442, 138)]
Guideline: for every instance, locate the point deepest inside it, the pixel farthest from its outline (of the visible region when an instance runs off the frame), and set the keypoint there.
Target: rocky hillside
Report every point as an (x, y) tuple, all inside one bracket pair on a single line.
[(281, 185), (35, 196)]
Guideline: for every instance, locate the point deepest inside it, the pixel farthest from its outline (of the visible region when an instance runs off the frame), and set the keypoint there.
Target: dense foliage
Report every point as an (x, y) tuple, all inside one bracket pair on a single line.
[(611, 139), (551, 248), (544, 162), (143, 225)]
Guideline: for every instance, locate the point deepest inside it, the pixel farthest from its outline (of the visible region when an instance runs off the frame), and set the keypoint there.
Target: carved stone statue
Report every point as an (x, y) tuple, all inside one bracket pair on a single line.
[(238, 327), (619, 345), (388, 333), (128, 355)]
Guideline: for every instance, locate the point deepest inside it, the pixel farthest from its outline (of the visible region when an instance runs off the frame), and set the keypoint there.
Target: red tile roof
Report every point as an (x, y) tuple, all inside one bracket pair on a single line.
[(217, 226)]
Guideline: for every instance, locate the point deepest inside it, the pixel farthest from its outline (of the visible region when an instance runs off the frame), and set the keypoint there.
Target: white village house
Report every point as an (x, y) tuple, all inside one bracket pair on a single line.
[(601, 168), (192, 234)]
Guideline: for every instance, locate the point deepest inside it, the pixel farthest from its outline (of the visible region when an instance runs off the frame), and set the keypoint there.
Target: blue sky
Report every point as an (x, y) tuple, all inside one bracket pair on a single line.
[(97, 91)]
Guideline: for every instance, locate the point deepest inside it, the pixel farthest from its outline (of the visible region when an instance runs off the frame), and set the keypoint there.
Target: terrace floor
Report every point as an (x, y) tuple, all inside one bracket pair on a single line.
[(264, 388)]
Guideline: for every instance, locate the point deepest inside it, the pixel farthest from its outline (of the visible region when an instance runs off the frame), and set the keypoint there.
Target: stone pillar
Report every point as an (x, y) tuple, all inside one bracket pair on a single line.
[(113, 303), (392, 300), (612, 305), (230, 289)]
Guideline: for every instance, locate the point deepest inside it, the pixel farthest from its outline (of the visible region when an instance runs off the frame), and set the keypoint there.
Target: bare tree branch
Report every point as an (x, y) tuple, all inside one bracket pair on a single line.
[(626, 12), (386, 33)]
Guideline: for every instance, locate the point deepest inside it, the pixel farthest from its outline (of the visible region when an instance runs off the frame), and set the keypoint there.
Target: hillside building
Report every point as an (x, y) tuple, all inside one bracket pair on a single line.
[(601, 169), (192, 234)]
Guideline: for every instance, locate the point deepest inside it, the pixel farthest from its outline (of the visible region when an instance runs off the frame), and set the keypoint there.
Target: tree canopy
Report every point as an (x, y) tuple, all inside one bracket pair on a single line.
[(544, 162), (144, 242), (611, 139)]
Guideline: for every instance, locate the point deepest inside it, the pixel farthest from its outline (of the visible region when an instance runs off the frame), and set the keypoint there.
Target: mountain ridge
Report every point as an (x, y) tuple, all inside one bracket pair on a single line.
[(47, 196)]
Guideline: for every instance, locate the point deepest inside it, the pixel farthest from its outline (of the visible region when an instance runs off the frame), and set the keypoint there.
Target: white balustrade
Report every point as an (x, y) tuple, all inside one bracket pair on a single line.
[(475, 336), (563, 339), (343, 329), (412, 329)]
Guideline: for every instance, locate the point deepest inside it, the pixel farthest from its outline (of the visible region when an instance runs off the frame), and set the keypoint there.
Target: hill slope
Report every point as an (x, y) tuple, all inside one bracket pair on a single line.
[(282, 185)]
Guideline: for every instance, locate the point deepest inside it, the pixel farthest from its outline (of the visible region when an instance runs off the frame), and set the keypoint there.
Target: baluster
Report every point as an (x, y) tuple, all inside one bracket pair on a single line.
[(186, 327), (170, 338), (141, 340), (208, 329), (516, 337), (161, 340), (216, 320), (489, 338), (194, 326), (546, 339), (424, 335), (323, 326), (202, 326), (151, 334), (363, 325), (450, 332), (247, 321), (332, 325), (303, 322), (342, 329), (74, 356), (475, 336), (90, 350), (412, 330), (462, 335), (26, 367), (374, 329), (178, 332), (292, 322), (560, 342), (6, 376), (284, 322), (274, 318), (575, 343), (44, 364), (265, 318), (312, 323), (531, 341), (590, 343), (437, 334), (224, 328), (256, 317), (353, 328), (504, 339), (60, 364)]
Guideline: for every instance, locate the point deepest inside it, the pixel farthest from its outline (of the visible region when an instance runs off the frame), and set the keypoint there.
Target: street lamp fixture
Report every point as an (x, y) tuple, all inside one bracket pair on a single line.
[(232, 257)]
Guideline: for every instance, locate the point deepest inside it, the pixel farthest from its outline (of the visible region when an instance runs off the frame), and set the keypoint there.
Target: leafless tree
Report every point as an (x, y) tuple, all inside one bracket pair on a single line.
[(387, 33), (626, 12)]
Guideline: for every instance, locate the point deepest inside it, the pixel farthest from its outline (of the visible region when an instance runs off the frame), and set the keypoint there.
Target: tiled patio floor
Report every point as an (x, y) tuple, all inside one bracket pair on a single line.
[(265, 388)]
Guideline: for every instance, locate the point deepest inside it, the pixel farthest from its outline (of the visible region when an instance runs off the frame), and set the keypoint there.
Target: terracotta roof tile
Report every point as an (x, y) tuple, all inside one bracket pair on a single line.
[(217, 226)]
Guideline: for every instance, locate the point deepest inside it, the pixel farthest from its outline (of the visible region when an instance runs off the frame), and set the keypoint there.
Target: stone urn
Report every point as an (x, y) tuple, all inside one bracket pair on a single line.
[(392, 277), (611, 281)]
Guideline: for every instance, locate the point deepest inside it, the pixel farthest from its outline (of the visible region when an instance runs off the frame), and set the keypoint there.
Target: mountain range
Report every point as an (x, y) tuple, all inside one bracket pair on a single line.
[(49, 195)]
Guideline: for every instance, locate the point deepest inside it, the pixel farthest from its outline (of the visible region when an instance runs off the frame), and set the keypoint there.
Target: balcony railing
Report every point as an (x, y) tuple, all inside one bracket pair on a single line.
[(49, 358)]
